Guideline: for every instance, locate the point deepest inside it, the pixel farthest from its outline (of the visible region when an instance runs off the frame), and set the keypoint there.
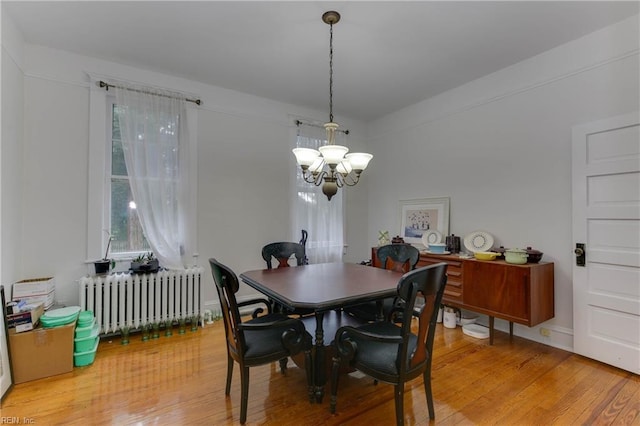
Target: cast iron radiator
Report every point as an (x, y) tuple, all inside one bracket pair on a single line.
[(136, 300)]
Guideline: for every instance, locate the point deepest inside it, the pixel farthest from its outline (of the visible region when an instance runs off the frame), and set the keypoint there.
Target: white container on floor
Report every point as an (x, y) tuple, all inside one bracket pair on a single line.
[(449, 318)]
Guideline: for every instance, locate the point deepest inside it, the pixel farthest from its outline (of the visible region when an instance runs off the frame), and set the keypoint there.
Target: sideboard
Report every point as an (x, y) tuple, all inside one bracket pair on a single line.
[(523, 294)]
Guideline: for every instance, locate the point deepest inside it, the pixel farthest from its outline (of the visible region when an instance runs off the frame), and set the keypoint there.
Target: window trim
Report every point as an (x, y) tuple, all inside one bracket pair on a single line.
[(96, 197)]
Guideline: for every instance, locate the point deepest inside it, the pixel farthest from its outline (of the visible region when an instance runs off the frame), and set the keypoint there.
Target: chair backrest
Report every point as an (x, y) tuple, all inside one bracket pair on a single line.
[(428, 284), (282, 252), (303, 243), (227, 286), (398, 257)]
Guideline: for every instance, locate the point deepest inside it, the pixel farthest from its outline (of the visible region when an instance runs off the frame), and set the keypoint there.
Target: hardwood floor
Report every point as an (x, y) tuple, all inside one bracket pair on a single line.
[(179, 380)]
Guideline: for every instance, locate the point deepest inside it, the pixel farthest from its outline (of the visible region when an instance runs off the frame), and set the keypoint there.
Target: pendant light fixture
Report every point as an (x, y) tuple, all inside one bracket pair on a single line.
[(331, 166)]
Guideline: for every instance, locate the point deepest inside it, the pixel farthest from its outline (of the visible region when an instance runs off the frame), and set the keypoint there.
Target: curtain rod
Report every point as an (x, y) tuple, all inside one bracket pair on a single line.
[(107, 85), (300, 122)]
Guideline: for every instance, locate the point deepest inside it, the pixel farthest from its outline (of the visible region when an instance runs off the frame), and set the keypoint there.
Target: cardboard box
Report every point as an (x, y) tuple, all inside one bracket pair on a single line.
[(15, 306), (41, 352), (27, 319), (33, 287), (46, 299)]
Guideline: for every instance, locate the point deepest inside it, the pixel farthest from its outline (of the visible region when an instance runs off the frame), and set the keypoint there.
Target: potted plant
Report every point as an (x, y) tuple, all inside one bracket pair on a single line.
[(103, 265), (145, 263), (135, 263)]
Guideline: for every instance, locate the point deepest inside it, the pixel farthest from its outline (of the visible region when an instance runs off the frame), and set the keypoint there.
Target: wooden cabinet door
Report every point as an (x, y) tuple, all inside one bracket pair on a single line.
[(498, 290)]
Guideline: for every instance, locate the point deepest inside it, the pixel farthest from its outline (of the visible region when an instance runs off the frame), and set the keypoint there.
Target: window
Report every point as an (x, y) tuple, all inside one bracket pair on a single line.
[(109, 207), (124, 225), (323, 219)]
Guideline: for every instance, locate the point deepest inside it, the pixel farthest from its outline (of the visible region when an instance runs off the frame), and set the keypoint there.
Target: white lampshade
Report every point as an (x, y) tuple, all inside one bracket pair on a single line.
[(344, 167), (333, 154), (359, 160), (316, 167), (305, 156)]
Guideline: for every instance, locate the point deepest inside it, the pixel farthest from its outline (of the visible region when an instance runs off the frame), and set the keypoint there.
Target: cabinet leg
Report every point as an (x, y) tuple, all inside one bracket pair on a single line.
[(510, 330), (491, 320)]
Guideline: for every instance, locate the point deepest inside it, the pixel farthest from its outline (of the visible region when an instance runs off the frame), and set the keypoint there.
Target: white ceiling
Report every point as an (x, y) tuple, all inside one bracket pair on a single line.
[(387, 55)]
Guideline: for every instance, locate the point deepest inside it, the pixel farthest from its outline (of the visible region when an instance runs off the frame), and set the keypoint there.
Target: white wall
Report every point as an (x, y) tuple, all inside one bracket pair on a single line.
[(500, 148), (11, 154), (244, 167)]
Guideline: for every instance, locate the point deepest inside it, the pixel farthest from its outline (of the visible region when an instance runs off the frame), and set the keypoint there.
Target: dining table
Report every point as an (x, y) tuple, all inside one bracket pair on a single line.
[(324, 288)]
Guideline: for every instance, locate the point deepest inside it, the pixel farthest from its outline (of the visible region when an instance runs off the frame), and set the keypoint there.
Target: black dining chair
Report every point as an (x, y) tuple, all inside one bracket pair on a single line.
[(397, 257), (392, 353), (283, 252), (303, 243), (261, 340)]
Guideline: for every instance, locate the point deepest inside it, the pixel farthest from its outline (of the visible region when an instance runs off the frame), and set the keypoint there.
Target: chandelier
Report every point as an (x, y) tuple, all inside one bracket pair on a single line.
[(330, 165)]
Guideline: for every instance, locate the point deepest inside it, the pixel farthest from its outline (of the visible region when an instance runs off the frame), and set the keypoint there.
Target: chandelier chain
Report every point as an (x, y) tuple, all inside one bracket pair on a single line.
[(331, 72)]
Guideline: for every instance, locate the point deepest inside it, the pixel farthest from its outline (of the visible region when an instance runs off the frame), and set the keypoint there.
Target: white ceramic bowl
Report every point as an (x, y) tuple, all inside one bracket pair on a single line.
[(437, 248)]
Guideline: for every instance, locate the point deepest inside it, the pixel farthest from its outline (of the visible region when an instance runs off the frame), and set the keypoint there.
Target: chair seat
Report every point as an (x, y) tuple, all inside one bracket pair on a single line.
[(369, 311), (380, 356), (265, 342)]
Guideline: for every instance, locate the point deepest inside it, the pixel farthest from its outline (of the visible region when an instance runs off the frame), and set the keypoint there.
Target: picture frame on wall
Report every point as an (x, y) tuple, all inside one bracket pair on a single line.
[(423, 215)]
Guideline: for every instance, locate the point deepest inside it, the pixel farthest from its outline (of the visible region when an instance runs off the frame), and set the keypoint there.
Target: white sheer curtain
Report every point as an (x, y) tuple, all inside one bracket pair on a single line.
[(156, 151), (323, 219)]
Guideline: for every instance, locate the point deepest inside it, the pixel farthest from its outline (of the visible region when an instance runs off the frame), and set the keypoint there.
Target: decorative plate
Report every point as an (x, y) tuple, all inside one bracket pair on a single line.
[(478, 241), (431, 236)]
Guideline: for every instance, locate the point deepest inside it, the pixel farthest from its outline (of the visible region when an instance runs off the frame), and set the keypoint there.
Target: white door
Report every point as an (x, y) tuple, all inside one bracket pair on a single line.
[(606, 219)]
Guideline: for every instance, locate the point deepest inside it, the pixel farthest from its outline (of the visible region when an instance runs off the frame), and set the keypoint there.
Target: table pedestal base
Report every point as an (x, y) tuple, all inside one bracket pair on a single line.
[(322, 354)]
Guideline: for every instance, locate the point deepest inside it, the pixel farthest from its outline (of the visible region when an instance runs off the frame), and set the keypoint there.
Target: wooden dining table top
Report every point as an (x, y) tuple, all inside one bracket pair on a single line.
[(324, 286)]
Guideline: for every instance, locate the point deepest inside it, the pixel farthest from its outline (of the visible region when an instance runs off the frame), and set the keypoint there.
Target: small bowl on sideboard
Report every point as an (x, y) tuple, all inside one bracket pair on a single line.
[(485, 255)]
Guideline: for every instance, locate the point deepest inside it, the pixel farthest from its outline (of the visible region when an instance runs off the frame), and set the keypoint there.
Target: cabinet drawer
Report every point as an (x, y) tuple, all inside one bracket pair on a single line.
[(454, 289), (430, 259)]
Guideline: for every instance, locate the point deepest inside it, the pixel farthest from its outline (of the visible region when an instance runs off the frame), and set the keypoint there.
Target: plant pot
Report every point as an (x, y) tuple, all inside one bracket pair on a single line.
[(153, 265), (102, 266), (145, 267)]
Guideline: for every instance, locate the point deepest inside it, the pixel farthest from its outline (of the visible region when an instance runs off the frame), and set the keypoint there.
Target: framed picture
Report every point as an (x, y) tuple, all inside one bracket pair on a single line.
[(422, 215)]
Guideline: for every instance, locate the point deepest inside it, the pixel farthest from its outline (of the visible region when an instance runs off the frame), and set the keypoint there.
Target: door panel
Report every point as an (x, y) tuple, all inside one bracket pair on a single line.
[(614, 241), (614, 327), (614, 287), (606, 217)]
